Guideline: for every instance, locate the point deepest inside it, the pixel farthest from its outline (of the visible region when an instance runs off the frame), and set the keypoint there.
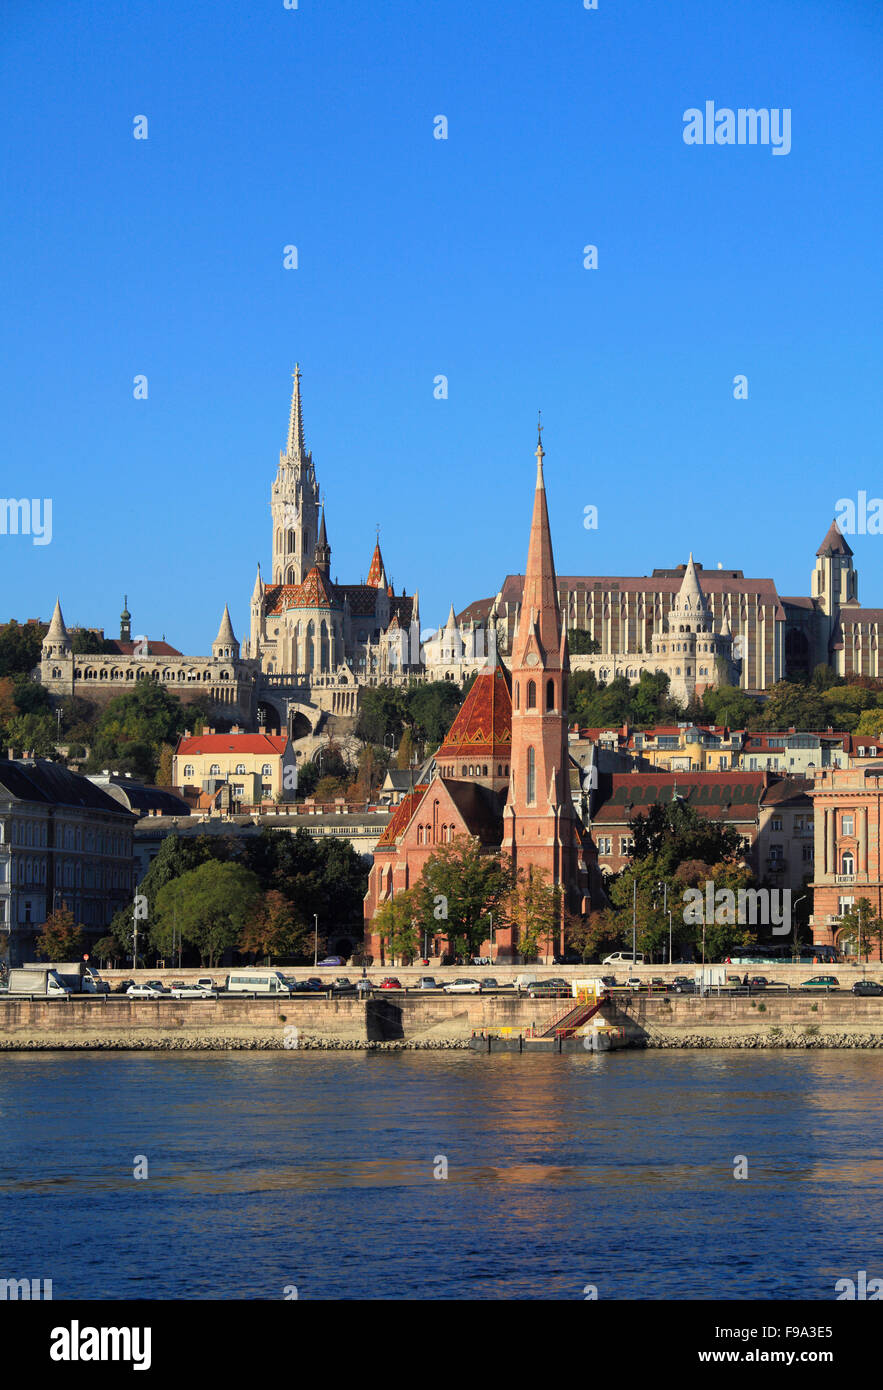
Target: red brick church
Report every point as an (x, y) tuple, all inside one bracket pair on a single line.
[(503, 771)]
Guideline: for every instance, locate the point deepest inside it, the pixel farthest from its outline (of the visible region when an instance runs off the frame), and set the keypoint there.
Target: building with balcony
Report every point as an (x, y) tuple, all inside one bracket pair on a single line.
[(847, 814)]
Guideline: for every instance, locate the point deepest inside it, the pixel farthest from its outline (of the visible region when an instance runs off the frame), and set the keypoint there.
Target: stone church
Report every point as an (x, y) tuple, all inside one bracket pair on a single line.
[(313, 642)]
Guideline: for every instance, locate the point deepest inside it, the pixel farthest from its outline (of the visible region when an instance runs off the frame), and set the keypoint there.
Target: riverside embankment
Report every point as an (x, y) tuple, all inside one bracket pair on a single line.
[(430, 1020)]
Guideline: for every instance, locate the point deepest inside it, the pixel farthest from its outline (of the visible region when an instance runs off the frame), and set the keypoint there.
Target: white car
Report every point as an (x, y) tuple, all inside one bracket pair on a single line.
[(180, 990), (153, 990), (463, 987)]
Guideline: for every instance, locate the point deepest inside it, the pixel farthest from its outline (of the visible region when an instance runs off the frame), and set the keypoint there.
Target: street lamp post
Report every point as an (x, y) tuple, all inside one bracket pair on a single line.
[(316, 939)]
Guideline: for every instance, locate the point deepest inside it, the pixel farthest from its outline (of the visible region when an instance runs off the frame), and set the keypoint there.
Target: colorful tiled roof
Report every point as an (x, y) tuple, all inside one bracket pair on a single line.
[(483, 725), (315, 592), (376, 573)]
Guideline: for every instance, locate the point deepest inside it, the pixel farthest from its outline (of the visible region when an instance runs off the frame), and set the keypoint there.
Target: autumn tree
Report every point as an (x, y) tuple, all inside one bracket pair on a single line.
[(273, 928), (61, 937)]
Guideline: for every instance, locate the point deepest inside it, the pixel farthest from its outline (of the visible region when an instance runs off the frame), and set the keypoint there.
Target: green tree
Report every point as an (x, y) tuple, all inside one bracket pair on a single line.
[(859, 927), (106, 950), (534, 905), (405, 754), (35, 733), (20, 645), (61, 939), (582, 643), (395, 924), (209, 906), (461, 884)]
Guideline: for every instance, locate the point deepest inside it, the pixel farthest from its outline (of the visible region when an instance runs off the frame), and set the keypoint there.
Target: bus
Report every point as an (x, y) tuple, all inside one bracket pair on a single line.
[(252, 981)]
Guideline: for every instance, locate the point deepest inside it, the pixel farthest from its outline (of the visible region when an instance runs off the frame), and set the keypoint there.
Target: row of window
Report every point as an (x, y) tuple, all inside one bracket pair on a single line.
[(33, 833), (240, 770), (531, 695), (473, 770)]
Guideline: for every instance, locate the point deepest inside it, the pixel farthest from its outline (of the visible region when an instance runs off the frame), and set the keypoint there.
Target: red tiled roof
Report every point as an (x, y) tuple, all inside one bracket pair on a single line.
[(483, 725), (401, 817), (712, 582), (375, 573), (153, 648), (732, 796), (233, 743)]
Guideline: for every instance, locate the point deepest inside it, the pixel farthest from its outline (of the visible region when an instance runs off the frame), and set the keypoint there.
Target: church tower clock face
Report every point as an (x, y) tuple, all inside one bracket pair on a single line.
[(531, 659)]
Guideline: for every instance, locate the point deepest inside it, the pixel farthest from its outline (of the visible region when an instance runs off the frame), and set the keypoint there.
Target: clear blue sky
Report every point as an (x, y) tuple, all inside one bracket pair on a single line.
[(420, 257)]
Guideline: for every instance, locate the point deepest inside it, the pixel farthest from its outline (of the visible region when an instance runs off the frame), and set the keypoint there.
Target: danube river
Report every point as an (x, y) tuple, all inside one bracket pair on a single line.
[(269, 1172)]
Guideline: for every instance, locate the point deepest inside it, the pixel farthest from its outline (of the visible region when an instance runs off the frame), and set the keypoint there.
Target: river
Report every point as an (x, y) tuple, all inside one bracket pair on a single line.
[(270, 1172)]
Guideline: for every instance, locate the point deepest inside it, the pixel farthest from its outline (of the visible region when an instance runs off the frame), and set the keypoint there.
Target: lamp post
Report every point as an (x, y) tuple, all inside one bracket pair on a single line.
[(316, 940), (795, 951), (669, 936)]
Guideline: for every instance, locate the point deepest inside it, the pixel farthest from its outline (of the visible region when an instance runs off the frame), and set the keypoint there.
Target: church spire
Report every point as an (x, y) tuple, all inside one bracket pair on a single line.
[(539, 602), (295, 419)]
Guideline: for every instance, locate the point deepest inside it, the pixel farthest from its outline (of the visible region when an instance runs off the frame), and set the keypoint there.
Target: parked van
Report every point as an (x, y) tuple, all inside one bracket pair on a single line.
[(249, 981), (522, 982), (624, 958)]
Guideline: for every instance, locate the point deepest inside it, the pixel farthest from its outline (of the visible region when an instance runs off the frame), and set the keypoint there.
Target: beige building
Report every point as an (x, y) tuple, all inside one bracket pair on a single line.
[(257, 767)]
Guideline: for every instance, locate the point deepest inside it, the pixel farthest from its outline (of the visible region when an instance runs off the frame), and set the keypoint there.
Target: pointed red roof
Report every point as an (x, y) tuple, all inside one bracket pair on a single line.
[(834, 544), (484, 722), (376, 573), (539, 601)]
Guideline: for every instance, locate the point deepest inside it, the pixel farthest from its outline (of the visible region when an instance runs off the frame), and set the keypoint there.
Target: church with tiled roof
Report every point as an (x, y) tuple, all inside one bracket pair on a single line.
[(309, 631), (502, 774)]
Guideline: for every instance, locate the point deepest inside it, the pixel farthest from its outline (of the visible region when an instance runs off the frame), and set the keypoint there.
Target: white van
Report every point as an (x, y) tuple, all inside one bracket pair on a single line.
[(250, 981), (624, 958), (523, 981)]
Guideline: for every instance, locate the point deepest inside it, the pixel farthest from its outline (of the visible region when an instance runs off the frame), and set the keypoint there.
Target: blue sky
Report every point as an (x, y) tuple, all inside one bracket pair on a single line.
[(420, 257)]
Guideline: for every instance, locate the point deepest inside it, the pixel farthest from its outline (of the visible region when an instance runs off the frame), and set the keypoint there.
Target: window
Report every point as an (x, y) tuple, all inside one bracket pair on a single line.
[(550, 694), (517, 695), (626, 844), (214, 770), (531, 694), (605, 844), (807, 854), (847, 826), (188, 770), (776, 823), (266, 770), (240, 769), (847, 863), (531, 773)]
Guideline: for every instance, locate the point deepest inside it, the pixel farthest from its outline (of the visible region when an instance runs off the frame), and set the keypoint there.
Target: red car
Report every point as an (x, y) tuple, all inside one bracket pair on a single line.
[(390, 982)]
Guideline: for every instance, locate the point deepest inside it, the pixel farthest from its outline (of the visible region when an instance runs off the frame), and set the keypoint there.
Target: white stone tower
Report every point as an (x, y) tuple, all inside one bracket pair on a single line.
[(294, 502)]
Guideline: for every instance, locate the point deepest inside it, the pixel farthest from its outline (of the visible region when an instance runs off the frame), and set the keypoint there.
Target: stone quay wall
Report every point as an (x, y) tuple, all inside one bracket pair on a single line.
[(837, 1020)]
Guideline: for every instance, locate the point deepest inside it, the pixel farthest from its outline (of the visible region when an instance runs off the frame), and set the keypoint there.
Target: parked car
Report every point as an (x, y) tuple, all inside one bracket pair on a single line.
[(122, 987), (333, 960), (489, 983), (463, 987), (184, 989), (363, 985), (548, 989), (682, 984), (207, 983), (867, 987), (427, 982), (821, 982), (757, 982), (608, 980), (390, 982), (154, 989)]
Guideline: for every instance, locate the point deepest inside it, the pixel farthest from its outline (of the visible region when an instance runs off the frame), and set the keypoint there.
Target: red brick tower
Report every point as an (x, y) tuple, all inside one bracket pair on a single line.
[(541, 829)]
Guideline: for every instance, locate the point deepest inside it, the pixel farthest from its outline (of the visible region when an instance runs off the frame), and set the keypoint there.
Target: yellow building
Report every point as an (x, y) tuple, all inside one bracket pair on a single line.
[(257, 767)]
